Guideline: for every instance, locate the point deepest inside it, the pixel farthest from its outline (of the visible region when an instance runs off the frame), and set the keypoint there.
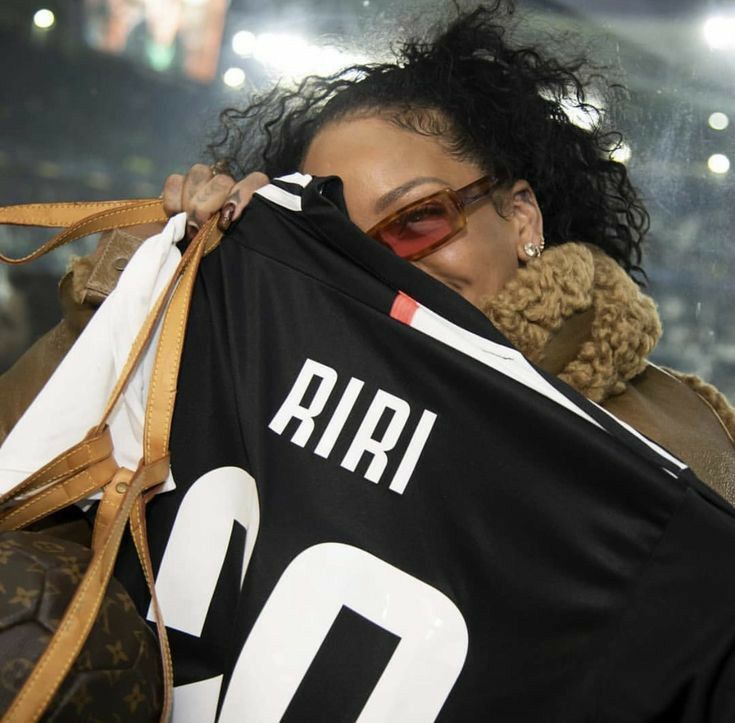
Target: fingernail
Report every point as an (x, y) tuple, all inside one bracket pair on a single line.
[(225, 217), (191, 230)]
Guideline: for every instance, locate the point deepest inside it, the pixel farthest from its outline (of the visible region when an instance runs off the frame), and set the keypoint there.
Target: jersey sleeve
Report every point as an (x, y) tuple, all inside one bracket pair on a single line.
[(672, 656)]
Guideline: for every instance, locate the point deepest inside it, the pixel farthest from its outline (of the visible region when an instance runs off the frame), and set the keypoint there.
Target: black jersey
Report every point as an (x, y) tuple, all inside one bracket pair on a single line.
[(383, 512)]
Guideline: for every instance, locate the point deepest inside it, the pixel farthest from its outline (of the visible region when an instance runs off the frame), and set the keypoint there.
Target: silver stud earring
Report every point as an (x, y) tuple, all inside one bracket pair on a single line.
[(533, 250)]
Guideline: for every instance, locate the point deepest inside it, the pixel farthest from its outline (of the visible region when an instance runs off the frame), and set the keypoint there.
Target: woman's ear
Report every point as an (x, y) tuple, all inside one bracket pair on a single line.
[(526, 215)]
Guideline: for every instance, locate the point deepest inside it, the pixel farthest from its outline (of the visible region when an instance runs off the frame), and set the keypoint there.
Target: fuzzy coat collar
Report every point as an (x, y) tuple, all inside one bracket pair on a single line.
[(579, 316)]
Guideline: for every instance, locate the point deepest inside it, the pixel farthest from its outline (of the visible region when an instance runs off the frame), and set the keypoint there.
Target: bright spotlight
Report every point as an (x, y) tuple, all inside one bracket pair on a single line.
[(234, 77), (243, 43), (718, 121), (718, 163), (294, 57), (621, 154), (43, 19), (719, 32), (281, 50)]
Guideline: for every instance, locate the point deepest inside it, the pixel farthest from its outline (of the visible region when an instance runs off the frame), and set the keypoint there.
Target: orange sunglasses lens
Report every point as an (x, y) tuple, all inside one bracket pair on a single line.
[(421, 228)]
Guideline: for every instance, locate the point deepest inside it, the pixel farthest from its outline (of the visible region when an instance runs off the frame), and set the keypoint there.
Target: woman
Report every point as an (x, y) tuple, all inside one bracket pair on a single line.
[(468, 106), (470, 113)]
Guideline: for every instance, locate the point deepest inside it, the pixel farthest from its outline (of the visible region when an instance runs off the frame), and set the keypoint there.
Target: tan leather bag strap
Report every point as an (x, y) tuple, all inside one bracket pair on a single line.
[(162, 387), (95, 447), (59, 495), (140, 537), (63, 215), (79, 219), (146, 333), (159, 413)]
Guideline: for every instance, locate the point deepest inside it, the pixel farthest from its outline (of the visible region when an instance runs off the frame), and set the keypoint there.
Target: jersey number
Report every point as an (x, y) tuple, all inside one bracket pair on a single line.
[(299, 614)]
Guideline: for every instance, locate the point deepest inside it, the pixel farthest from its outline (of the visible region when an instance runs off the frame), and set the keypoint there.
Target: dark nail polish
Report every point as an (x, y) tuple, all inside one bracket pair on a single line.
[(225, 217)]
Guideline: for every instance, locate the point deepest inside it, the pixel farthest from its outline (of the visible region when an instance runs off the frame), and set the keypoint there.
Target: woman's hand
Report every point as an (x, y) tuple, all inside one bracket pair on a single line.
[(202, 194)]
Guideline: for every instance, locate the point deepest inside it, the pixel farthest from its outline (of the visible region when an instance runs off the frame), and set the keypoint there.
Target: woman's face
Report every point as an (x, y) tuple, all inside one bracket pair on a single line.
[(375, 158)]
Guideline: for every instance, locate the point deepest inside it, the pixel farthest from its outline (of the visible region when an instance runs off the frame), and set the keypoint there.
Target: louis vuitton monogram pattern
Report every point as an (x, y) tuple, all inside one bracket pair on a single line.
[(117, 676)]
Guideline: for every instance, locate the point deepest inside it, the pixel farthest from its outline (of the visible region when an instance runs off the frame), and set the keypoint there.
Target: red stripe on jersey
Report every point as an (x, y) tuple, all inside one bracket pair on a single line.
[(404, 307)]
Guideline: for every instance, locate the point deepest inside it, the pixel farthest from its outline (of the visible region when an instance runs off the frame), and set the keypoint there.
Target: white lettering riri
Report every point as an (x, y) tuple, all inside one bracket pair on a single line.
[(365, 441)]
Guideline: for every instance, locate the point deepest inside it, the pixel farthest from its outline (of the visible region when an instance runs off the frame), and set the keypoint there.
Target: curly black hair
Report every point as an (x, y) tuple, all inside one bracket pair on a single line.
[(500, 104)]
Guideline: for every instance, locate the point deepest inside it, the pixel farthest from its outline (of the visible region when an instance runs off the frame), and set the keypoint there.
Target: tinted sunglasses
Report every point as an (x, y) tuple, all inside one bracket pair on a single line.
[(425, 225)]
